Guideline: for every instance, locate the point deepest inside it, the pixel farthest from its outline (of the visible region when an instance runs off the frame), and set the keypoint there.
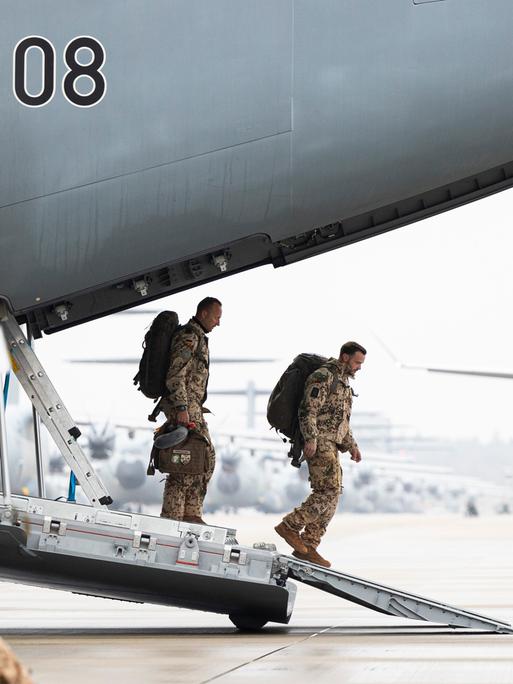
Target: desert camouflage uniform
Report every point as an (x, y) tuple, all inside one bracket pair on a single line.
[(324, 415), (187, 381), (11, 670)]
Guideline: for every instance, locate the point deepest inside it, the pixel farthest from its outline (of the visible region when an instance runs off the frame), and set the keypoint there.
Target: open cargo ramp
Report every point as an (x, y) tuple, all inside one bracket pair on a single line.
[(386, 600)]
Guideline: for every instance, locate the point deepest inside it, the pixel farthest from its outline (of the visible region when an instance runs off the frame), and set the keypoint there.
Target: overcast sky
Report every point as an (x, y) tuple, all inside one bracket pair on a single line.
[(438, 292)]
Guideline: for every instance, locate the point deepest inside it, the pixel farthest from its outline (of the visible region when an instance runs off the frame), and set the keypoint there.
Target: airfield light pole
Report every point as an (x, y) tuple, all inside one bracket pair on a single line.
[(250, 421), (37, 434)]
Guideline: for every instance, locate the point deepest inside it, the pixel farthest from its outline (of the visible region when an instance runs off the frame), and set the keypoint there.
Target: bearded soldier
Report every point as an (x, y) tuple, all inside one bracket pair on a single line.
[(186, 382), (324, 415)]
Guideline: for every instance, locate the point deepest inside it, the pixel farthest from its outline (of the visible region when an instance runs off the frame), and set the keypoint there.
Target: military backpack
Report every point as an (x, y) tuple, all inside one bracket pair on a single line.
[(283, 404), (154, 363)]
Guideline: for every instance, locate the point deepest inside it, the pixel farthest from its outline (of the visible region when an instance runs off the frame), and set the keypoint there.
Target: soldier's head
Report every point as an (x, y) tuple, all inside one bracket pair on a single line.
[(352, 355), (209, 313)]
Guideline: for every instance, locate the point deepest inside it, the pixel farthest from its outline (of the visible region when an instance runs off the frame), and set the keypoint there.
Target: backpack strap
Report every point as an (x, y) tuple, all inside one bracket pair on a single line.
[(189, 328), (335, 383)]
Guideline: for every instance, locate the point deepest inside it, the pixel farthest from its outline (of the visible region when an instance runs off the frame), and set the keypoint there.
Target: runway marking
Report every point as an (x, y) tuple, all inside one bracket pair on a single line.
[(381, 631), (265, 655)]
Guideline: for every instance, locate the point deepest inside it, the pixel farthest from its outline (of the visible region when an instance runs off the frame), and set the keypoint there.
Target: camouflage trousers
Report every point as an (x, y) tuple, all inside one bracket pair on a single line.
[(184, 494), (314, 514)]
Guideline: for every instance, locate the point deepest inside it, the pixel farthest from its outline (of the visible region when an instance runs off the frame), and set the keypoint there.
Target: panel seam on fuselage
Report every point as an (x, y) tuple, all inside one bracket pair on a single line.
[(143, 170)]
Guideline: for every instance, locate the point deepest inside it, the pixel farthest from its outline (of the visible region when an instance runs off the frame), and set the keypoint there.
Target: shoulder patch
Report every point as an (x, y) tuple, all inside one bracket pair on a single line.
[(315, 392), (185, 337), (184, 344), (320, 375)]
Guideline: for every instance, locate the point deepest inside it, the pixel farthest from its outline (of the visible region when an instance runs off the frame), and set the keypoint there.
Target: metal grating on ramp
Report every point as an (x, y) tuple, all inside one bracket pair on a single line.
[(386, 600)]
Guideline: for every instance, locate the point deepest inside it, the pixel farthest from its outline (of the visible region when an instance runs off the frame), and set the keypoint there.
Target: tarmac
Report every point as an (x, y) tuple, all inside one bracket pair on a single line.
[(465, 562)]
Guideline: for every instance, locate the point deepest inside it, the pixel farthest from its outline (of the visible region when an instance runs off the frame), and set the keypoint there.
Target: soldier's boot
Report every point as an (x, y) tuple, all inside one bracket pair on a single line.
[(291, 537), (312, 556), (195, 519)]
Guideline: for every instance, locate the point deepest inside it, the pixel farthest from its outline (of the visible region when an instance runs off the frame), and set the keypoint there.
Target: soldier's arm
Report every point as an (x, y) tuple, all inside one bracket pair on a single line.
[(348, 443), (315, 394), (183, 347)]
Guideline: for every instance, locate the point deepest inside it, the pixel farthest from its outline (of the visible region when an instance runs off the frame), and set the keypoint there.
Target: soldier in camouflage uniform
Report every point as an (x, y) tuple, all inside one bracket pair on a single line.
[(187, 381), (324, 416)]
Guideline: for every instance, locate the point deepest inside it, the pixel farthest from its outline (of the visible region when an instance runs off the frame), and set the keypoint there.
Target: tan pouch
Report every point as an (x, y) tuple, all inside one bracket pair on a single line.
[(187, 458)]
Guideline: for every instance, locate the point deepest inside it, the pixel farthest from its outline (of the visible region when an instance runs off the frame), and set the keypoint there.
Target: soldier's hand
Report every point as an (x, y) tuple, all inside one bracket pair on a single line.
[(310, 448), (182, 418), (356, 455)]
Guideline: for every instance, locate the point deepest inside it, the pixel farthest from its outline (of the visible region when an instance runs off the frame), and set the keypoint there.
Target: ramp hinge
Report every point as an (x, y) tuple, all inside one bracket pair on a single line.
[(52, 526), (144, 541), (234, 555)]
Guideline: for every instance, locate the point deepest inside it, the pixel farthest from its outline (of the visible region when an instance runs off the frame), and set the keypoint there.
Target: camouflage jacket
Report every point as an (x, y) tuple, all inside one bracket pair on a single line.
[(325, 410), (187, 377)]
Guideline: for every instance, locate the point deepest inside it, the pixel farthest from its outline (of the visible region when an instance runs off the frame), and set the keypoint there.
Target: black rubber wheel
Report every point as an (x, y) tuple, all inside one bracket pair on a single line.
[(248, 623)]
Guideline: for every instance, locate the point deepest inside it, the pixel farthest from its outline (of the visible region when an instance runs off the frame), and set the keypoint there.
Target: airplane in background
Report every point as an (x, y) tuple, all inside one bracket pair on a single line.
[(252, 468), (500, 375), (252, 471), (20, 438)]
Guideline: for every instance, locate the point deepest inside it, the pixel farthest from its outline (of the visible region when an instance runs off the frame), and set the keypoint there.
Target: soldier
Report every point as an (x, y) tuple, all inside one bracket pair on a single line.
[(187, 381), (324, 415)]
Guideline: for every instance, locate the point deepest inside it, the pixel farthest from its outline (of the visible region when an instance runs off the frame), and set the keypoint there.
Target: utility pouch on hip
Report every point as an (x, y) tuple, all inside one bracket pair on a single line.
[(187, 458)]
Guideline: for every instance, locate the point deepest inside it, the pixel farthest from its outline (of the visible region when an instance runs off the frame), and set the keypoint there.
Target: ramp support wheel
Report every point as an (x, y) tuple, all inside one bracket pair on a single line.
[(247, 623)]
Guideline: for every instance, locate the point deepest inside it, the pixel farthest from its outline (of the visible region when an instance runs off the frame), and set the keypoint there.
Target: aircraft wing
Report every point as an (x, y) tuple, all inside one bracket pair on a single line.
[(454, 371), (451, 371)]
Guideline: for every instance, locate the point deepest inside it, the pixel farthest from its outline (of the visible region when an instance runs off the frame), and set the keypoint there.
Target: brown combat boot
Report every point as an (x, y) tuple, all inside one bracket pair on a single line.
[(291, 537), (195, 519), (312, 556)]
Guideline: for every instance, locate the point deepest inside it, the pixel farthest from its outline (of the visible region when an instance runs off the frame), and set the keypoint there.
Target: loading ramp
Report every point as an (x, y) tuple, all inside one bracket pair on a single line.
[(387, 600)]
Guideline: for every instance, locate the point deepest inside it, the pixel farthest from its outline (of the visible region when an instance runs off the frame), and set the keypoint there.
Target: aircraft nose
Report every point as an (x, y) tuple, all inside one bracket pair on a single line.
[(228, 483), (101, 449), (131, 474)]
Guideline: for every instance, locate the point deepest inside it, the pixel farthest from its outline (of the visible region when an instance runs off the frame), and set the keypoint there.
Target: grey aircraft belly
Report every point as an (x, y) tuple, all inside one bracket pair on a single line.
[(235, 133)]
